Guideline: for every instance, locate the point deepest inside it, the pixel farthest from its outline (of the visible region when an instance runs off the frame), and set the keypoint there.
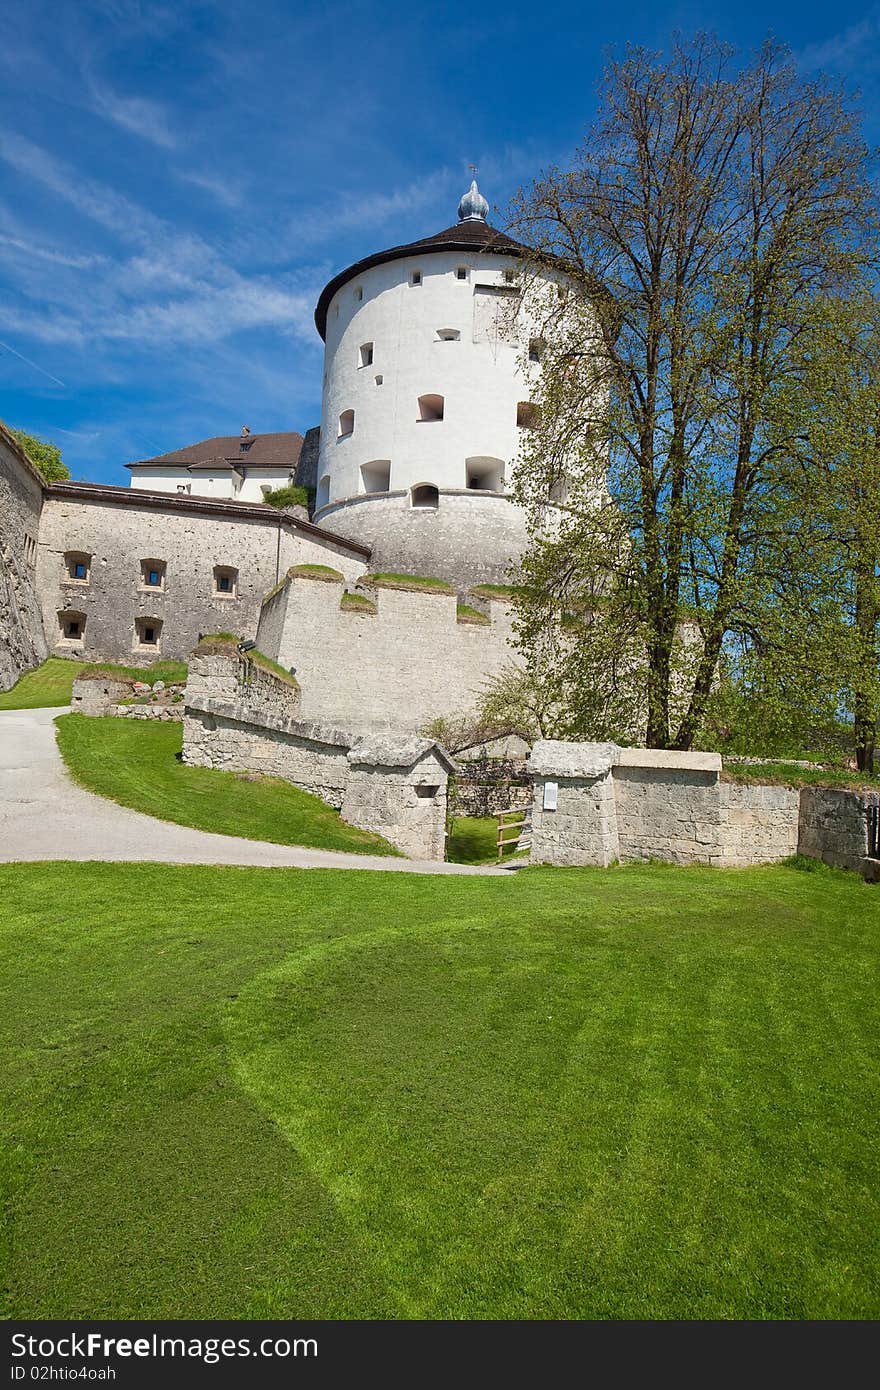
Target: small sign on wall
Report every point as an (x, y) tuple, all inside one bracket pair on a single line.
[(551, 795)]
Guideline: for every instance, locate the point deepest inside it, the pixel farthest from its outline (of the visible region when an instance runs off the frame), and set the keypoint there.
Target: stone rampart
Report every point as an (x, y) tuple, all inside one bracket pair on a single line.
[(378, 656)]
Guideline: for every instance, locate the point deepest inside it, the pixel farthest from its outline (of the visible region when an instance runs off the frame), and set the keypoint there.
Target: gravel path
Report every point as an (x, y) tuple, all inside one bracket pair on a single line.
[(45, 815)]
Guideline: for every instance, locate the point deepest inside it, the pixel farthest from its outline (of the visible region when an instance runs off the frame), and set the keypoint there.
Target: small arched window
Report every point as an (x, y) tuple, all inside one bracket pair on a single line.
[(430, 408), (346, 423), (376, 476), (448, 335), (72, 625), (365, 355), (322, 497), (425, 495), (152, 574), (485, 474)]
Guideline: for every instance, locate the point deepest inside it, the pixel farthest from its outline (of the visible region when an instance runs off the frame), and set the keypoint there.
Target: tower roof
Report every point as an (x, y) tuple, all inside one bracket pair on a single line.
[(470, 233)]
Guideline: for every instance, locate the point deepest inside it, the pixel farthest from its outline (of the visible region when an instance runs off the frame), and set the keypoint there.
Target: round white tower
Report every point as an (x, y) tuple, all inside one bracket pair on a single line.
[(425, 397)]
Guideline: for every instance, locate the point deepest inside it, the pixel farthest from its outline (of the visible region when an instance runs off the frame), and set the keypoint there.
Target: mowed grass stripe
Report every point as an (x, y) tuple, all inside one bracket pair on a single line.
[(643, 1092)]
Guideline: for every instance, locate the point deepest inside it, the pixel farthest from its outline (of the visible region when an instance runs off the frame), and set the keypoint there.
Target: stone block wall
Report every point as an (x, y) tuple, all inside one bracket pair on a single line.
[(407, 805), (22, 641), (834, 828), (394, 786), (759, 824), (582, 827), (624, 804), (96, 697), (401, 664)]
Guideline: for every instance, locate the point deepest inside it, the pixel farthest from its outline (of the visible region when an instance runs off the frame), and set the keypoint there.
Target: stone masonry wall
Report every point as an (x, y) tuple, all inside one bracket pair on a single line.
[(834, 827), (240, 718), (118, 534), (402, 666), (687, 815), (637, 803), (22, 641), (231, 738)]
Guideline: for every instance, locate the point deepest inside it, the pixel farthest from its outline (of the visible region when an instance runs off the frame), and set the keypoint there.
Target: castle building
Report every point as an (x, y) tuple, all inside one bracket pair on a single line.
[(426, 394), (429, 352), (241, 468)]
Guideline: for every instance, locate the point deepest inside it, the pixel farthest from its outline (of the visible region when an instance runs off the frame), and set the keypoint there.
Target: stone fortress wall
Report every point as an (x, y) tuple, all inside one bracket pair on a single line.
[(119, 534), (466, 538), (403, 659), (597, 803), (242, 719), (22, 642)]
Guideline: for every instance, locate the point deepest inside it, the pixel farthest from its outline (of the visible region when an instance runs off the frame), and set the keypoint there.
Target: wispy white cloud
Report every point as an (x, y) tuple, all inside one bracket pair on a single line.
[(851, 52), (34, 250), (223, 190), (138, 115)]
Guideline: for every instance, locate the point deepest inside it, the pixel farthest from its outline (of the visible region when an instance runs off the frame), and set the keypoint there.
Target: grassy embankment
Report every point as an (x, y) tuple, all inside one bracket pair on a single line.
[(137, 763), (49, 686)]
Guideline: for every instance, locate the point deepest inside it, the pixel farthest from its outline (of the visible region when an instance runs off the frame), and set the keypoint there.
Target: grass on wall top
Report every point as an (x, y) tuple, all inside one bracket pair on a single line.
[(358, 603), (136, 763), (464, 613), (421, 583), (324, 572), (504, 592)]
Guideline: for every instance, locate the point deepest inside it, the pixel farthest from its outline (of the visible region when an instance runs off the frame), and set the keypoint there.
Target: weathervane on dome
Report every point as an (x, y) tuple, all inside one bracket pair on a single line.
[(473, 206)]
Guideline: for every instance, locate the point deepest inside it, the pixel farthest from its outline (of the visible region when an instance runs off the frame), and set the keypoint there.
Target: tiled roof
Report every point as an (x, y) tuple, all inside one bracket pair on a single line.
[(224, 451), (464, 236)]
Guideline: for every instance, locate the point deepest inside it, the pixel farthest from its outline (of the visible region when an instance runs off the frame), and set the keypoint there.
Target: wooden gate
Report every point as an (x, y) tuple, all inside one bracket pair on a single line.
[(519, 821)]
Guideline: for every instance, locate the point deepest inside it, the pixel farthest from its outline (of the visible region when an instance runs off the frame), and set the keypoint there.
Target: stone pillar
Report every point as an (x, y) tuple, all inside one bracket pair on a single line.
[(574, 818)]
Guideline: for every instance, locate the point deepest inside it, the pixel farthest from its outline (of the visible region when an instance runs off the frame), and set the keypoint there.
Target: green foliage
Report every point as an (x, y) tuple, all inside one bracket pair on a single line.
[(638, 1093), (138, 764), (291, 496), (44, 456), (474, 840), (660, 476)]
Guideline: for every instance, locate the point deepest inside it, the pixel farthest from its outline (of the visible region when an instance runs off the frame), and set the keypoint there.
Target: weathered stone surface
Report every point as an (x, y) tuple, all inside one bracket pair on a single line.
[(555, 758), (22, 642), (834, 826), (401, 667), (400, 750)]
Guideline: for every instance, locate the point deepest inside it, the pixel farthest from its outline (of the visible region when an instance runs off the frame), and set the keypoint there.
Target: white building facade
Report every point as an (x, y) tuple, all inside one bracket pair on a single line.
[(429, 350)]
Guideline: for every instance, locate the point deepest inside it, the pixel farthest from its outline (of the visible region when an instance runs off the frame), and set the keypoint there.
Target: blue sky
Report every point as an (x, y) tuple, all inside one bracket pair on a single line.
[(179, 179)]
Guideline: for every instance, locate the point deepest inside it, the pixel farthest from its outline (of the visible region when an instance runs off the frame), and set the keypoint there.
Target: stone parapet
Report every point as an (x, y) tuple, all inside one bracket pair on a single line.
[(393, 786), (598, 803)]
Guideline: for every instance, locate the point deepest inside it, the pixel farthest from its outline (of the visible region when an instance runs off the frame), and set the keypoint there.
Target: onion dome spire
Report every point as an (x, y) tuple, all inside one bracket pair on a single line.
[(473, 206)]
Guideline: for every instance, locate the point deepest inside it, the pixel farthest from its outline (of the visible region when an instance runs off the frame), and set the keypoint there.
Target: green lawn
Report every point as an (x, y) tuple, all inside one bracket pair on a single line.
[(49, 685), (474, 840), (137, 763), (632, 1093)]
